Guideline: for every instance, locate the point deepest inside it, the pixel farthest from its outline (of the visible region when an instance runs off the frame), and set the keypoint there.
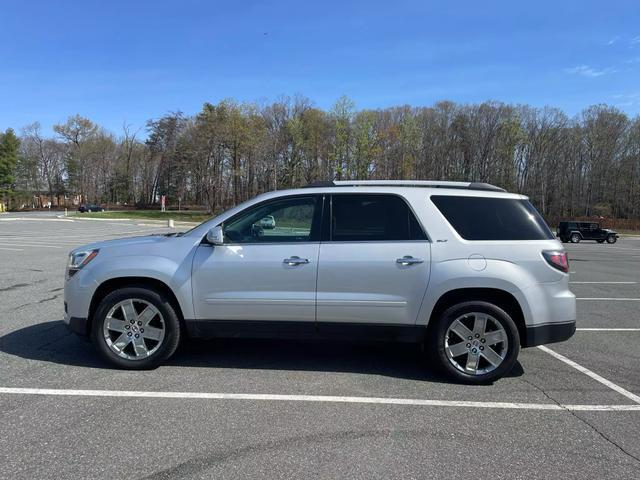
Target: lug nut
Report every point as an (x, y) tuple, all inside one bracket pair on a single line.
[(468, 345), (481, 348), (127, 327), (132, 322), (139, 323), (477, 335), (142, 330), (482, 340), (470, 338), (128, 334), (474, 350), (137, 335)]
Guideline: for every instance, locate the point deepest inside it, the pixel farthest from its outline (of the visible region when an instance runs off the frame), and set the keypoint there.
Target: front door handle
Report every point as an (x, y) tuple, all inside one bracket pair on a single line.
[(409, 260), (293, 261)]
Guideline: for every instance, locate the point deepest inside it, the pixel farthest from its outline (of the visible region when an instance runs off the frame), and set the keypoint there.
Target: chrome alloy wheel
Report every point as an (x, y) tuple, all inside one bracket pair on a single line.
[(134, 329), (476, 343)]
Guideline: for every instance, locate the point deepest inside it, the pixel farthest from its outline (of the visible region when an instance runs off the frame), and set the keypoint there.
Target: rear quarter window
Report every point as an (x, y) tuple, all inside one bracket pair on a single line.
[(478, 218)]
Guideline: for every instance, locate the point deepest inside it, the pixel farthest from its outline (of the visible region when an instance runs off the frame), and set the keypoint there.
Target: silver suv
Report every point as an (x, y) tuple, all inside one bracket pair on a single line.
[(468, 269)]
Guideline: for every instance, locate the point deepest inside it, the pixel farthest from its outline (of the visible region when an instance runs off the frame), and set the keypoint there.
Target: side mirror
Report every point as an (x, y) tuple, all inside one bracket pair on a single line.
[(215, 236)]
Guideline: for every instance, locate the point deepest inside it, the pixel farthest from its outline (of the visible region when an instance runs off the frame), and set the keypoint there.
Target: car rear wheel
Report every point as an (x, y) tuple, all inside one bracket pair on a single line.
[(575, 238), (474, 342), (135, 328), (611, 239)]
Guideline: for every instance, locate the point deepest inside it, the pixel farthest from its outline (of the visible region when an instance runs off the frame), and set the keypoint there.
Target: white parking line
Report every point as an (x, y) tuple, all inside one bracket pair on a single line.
[(24, 219), (601, 249), (12, 249), (612, 283), (36, 245), (595, 376), (616, 299), (315, 398), (608, 329)]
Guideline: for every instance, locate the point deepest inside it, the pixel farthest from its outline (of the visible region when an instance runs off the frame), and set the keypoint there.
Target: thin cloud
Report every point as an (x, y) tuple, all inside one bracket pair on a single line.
[(587, 71), (626, 99), (613, 40), (635, 40)]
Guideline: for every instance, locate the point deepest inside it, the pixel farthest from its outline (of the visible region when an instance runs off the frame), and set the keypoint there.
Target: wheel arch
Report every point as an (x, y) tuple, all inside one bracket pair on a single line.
[(116, 283), (500, 298)]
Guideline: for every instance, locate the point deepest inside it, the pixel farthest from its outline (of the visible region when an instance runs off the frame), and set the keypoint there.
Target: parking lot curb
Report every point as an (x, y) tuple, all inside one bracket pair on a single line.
[(139, 221)]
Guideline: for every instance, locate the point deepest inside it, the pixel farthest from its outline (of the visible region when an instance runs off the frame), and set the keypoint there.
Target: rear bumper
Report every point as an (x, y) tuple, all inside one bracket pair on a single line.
[(549, 333)]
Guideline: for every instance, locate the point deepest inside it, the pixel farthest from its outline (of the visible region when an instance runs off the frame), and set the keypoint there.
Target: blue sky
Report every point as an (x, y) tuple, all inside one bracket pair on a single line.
[(128, 61)]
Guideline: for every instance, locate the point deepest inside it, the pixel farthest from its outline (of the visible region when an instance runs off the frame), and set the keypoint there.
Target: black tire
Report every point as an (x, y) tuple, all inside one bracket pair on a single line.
[(437, 334), (611, 239), (575, 238), (171, 325)]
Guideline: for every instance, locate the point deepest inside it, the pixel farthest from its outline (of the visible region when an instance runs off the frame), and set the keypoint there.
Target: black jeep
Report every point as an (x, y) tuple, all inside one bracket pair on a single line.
[(574, 232)]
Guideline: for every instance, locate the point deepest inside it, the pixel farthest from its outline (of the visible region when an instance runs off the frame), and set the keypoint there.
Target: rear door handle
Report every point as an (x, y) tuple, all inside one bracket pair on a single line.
[(293, 261), (409, 260)]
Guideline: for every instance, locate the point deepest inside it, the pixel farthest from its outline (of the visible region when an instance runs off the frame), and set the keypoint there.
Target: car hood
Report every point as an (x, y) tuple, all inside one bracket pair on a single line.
[(125, 242)]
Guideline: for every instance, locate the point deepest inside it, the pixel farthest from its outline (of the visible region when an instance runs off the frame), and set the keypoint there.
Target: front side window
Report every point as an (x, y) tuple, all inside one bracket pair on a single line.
[(478, 218), (361, 218), (286, 220)]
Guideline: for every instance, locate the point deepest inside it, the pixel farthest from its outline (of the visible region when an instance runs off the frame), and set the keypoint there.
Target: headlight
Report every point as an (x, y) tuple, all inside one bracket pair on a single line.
[(78, 260)]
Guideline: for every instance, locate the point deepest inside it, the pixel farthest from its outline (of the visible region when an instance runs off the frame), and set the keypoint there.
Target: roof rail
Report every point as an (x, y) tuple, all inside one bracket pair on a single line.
[(321, 183), (408, 183)]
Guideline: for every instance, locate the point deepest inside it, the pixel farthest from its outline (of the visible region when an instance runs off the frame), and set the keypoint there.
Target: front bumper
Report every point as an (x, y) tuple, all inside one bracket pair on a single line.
[(549, 333), (77, 325)]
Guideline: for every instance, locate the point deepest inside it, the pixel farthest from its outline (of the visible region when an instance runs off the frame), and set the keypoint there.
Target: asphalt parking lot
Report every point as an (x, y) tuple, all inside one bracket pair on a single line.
[(275, 409)]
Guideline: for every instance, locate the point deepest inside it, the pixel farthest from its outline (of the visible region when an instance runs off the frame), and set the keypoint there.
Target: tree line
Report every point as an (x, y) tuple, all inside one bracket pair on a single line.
[(584, 165)]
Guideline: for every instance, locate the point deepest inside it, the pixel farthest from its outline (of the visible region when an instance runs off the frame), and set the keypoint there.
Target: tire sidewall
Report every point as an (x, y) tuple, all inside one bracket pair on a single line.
[(575, 238), (611, 239), (172, 327), (438, 333)]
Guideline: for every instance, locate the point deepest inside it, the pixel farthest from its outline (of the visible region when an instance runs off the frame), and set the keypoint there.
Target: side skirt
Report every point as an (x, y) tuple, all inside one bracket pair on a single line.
[(304, 330)]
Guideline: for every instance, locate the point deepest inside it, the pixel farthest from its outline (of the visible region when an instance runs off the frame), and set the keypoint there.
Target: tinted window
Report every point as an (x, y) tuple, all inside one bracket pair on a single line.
[(476, 218), (286, 220), (361, 218)]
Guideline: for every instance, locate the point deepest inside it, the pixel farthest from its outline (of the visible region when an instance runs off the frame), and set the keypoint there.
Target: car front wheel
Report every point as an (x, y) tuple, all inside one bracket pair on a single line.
[(575, 238), (474, 342), (611, 239), (135, 328)]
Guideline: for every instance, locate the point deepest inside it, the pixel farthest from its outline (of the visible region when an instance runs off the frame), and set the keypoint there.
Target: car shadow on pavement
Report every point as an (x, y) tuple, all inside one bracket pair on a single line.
[(53, 342)]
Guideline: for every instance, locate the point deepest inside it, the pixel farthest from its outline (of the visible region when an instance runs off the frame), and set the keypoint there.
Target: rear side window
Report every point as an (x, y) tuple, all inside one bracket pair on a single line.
[(361, 218), (477, 218)]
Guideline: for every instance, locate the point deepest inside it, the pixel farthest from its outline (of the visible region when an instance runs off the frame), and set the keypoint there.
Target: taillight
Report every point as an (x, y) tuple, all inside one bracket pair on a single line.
[(557, 260)]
